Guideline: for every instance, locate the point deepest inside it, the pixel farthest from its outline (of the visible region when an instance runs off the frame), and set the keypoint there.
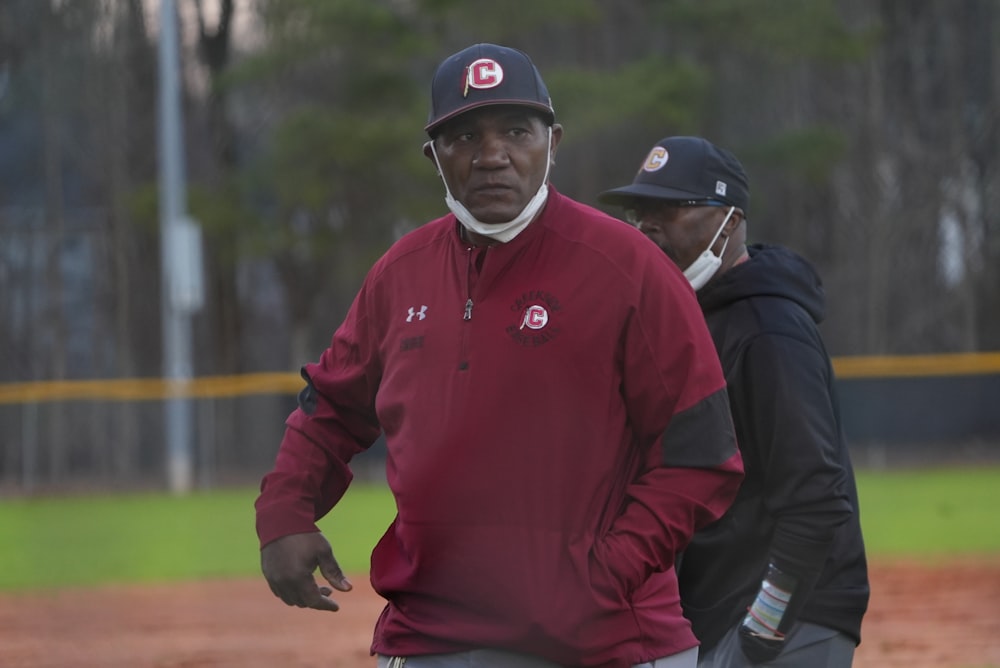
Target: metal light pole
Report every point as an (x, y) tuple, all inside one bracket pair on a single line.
[(182, 291)]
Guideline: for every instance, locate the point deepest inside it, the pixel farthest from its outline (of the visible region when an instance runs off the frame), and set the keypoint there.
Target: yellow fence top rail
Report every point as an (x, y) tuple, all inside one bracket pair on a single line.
[(149, 389), (957, 364), (204, 387)]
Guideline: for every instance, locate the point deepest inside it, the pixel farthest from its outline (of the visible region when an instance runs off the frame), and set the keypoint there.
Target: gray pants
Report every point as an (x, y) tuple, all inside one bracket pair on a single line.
[(807, 645), (491, 658)]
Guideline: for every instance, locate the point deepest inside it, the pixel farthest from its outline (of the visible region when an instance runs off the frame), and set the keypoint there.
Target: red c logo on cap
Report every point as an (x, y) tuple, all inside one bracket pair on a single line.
[(485, 73)]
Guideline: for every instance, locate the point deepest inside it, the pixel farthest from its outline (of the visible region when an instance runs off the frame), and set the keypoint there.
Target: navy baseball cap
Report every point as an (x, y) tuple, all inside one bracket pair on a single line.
[(485, 74), (685, 168)]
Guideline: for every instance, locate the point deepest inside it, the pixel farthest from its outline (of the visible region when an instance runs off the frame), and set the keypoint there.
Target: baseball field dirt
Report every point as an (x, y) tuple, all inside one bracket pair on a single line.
[(921, 616)]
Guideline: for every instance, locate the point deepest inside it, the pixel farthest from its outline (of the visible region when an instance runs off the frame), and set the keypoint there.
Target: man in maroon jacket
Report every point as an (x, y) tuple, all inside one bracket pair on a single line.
[(556, 418)]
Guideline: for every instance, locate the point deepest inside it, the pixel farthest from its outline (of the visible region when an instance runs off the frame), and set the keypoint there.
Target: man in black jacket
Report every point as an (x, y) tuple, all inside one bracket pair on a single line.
[(781, 579)]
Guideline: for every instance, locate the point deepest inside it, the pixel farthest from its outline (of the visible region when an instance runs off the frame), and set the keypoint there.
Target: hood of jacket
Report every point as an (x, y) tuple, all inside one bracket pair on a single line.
[(772, 271)]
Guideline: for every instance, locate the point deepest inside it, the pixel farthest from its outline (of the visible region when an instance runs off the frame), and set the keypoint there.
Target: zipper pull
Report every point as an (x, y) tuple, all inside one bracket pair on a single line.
[(468, 310)]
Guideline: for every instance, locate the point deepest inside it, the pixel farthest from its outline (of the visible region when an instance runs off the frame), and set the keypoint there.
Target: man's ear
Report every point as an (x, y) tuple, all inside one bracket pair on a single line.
[(733, 223), (429, 154), (557, 133)]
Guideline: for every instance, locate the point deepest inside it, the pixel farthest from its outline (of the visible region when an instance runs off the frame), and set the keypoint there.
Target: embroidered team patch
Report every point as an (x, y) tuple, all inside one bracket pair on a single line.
[(535, 312)]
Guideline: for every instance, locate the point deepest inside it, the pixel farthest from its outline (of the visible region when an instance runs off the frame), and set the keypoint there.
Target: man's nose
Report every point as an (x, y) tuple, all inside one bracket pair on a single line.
[(492, 152)]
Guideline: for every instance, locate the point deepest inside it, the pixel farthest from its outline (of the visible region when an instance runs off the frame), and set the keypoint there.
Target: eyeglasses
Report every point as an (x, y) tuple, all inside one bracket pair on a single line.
[(664, 210)]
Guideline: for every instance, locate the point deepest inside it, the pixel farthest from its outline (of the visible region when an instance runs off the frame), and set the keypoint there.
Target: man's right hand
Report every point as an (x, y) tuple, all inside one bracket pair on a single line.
[(288, 564)]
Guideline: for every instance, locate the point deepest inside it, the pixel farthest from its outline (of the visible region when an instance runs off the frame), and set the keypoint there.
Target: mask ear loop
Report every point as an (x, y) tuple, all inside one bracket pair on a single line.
[(723, 251), (548, 159), (437, 165), (719, 231)]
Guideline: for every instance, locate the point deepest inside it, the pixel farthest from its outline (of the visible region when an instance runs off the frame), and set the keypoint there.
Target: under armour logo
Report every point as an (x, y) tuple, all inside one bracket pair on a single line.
[(419, 315)]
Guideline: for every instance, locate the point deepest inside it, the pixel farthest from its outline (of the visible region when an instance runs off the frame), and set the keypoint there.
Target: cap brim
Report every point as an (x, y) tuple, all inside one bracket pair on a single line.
[(625, 194), (545, 110)]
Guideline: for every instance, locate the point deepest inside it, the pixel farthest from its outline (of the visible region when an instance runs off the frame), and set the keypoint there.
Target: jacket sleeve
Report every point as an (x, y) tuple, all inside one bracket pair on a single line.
[(691, 468), (797, 445), (334, 421)]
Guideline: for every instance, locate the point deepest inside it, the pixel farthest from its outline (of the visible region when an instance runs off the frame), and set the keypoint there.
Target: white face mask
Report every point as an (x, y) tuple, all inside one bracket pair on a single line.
[(502, 232), (706, 264)]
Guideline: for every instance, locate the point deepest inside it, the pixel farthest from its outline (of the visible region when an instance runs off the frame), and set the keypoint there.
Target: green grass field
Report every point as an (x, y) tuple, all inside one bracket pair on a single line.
[(87, 540)]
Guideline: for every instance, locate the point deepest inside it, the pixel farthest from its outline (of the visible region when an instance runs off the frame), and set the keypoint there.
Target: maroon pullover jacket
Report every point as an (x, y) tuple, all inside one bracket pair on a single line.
[(557, 428)]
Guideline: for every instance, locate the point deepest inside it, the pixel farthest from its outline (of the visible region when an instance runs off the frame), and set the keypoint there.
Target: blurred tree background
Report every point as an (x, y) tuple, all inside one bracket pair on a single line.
[(869, 130)]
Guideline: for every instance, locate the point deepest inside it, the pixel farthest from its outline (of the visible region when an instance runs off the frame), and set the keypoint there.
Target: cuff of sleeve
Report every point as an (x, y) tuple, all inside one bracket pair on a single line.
[(622, 561), (275, 522), (797, 556)]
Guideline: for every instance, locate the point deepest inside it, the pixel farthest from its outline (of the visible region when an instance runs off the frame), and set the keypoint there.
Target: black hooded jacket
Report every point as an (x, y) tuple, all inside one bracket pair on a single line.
[(798, 506)]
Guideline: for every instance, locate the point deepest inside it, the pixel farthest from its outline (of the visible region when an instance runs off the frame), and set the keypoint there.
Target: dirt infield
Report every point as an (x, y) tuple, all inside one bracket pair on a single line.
[(920, 617)]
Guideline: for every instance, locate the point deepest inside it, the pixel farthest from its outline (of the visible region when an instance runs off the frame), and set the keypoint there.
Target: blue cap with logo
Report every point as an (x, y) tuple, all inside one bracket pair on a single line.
[(686, 168), (486, 74)]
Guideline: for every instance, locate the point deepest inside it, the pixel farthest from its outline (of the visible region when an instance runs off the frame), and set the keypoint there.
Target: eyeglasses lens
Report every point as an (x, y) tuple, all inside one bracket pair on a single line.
[(664, 210)]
